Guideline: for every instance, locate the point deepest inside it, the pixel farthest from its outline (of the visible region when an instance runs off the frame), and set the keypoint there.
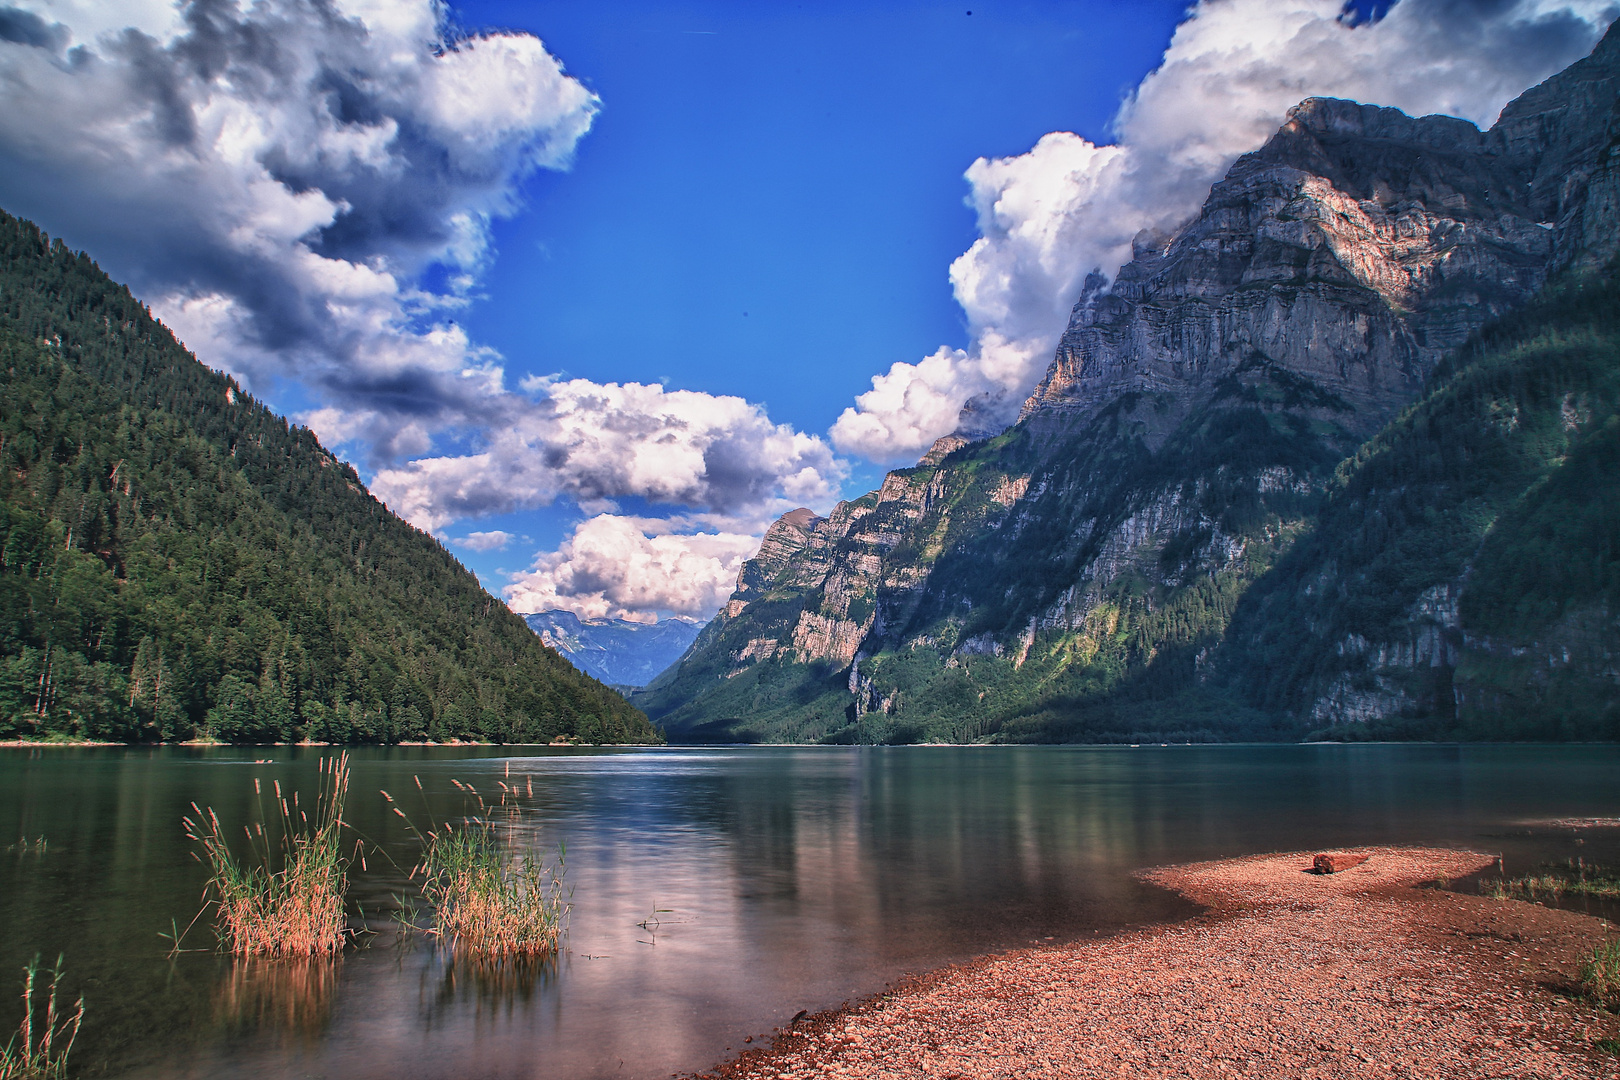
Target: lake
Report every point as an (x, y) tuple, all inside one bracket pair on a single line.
[(716, 891)]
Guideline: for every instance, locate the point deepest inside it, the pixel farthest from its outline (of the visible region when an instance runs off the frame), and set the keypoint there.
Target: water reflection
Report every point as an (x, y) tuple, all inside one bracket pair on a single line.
[(493, 985), (715, 892), (289, 997)]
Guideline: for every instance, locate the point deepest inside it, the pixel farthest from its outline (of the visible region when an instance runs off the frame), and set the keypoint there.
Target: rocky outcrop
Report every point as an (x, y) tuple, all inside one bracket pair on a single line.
[(1562, 134), (1352, 251), (1188, 425), (1383, 685)]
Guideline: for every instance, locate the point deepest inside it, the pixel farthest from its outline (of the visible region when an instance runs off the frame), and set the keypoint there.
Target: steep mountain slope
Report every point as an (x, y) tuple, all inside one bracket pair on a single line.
[(175, 561), (619, 652), (1074, 577), (1463, 577)]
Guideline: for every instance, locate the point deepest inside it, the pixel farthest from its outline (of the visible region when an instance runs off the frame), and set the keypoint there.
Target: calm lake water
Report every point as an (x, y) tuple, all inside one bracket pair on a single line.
[(770, 880)]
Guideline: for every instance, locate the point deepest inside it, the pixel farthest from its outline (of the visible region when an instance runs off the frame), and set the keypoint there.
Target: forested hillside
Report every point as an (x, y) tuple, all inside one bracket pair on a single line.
[(176, 561), (1463, 576)]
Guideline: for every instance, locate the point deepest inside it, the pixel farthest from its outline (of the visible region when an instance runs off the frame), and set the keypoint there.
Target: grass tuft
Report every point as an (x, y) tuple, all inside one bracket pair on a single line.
[(1576, 877), (488, 905), (41, 1053), (1600, 974), (485, 902), (296, 910)]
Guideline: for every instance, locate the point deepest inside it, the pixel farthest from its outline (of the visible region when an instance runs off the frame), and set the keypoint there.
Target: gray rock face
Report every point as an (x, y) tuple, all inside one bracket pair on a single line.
[(1310, 298), (1354, 249), (1562, 134)]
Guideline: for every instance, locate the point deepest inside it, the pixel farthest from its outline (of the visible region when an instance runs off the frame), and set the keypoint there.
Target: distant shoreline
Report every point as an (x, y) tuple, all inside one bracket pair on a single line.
[(70, 743), (1360, 973), (31, 743)]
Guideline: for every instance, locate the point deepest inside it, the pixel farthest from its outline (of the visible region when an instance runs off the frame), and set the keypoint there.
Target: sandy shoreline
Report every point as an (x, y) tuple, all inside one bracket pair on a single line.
[(1288, 974)]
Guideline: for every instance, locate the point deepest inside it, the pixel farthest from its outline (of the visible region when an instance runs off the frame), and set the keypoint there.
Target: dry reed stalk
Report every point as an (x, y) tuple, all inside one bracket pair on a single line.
[(43, 1057), (298, 909)]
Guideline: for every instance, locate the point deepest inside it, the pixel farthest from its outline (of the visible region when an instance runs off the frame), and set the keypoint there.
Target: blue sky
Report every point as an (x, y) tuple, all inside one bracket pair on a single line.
[(595, 290), (770, 198), (771, 195)]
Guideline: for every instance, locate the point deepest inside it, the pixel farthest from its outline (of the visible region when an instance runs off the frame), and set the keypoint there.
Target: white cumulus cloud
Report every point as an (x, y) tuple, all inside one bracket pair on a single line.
[(493, 540), (277, 177), (595, 441), (610, 567), (1049, 217), (282, 179)]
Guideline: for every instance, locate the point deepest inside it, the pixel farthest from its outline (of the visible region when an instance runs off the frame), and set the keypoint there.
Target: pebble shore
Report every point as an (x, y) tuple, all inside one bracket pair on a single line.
[(1288, 973)]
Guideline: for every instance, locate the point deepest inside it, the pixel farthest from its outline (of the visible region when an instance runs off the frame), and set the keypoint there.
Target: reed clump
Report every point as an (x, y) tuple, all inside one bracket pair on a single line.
[(486, 903), (296, 910), (41, 1053)]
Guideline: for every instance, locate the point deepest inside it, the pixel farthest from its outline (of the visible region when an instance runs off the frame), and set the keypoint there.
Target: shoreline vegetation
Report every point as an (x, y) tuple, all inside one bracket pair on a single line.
[(287, 906), (1372, 971), (70, 743), (24, 744)]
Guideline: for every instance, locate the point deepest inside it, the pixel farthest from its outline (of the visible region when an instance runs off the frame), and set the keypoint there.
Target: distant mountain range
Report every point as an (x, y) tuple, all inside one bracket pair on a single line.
[(178, 562), (616, 651), (1341, 454)]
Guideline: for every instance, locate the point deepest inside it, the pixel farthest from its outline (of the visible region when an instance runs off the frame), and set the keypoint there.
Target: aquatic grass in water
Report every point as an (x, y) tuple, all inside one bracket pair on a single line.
[(485, 902), (41, 1054), (296, 910)]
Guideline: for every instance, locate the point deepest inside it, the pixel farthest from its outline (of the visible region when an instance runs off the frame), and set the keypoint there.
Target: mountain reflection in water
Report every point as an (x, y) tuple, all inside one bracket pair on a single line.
[(716, 892)]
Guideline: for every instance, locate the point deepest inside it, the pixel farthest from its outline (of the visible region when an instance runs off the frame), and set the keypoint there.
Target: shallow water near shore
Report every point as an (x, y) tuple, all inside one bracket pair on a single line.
[(716, 891)]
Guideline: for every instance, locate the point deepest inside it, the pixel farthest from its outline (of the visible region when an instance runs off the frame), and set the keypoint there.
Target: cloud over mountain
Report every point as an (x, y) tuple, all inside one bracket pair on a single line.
[(1050, 216), (304, 190), (610, 567), (277, 178)]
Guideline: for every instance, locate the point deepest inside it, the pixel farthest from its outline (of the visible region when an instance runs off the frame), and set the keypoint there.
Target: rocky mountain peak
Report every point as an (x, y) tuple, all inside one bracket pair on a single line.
[(1352, 250), (1192, 416)]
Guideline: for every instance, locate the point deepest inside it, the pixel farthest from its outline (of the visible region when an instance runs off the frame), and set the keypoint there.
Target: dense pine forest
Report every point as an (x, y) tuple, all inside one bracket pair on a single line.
[(177, 562)]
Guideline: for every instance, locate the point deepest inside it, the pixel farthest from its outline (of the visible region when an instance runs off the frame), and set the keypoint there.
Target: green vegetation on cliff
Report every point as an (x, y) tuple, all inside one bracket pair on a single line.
[(1465, 566), (963, 657), (177, 562), (1457, 575)]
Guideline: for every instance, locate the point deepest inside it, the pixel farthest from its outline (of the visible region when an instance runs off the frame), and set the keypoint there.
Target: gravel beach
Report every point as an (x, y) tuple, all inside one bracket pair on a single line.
[(1361, 973)]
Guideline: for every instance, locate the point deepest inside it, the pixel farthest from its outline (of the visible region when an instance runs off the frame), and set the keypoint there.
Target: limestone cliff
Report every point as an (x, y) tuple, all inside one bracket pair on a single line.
[(1075, 576)]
